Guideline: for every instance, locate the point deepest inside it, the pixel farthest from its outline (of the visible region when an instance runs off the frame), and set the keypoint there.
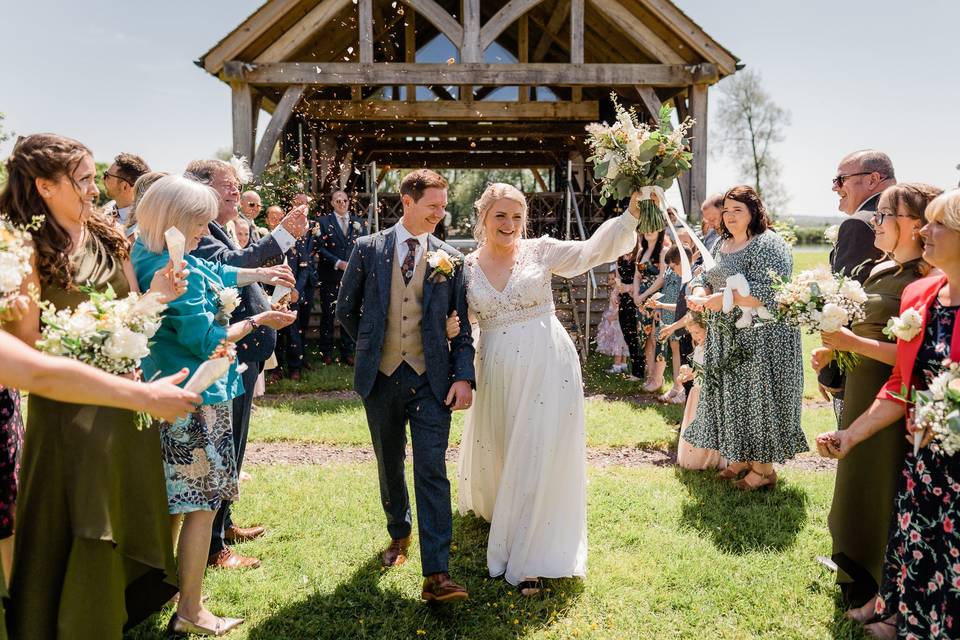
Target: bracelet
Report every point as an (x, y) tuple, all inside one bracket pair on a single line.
[(253, 324)]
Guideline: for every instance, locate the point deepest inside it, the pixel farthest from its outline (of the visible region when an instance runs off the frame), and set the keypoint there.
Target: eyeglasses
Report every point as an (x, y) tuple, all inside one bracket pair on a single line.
[(340, 200), (840, 179), (880, 216), (107, 174)]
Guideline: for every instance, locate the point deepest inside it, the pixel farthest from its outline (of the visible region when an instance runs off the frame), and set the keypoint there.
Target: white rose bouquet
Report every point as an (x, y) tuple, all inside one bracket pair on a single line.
[(938, 408), (110, 334), (16, 253), (630, 156), (817, 300), (831, 233), (229, 298)]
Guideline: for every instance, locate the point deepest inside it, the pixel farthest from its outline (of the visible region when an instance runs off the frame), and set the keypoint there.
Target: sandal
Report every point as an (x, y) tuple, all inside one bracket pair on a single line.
[(529, 588), (768, 481), (883, 629), (729, 473)]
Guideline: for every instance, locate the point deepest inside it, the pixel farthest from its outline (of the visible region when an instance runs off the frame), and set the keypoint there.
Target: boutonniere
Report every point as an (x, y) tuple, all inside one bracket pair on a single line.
[(442, 265), (904, 327), (229, 299), (356, 226)]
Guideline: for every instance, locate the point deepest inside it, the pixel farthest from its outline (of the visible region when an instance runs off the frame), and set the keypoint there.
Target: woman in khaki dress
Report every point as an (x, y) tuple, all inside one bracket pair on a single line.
[(866, 481), (93, 550)]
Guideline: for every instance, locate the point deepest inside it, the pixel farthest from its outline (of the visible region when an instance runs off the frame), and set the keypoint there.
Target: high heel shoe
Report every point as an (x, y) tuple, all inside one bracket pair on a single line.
[(180, 626), (768, 481)]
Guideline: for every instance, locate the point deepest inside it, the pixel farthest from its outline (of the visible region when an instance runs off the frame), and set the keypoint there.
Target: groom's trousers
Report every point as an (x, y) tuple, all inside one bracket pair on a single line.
[(394, 400)]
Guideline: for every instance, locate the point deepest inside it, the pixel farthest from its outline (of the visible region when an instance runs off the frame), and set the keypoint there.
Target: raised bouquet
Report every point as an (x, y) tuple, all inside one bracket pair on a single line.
[(631, 156), (938, 408), (104, 331), (818, 300), (16, 253)]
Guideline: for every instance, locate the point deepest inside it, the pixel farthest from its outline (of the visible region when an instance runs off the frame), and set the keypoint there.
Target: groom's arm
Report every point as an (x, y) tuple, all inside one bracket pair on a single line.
[(461, 347), (350, 298)]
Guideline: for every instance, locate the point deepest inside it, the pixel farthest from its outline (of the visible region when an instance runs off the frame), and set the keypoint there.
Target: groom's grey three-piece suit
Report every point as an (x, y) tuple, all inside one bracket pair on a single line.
[(405, 366)]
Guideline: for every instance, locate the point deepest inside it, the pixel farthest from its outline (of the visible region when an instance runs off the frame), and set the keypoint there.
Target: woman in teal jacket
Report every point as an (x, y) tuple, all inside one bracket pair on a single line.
[(198, 452)]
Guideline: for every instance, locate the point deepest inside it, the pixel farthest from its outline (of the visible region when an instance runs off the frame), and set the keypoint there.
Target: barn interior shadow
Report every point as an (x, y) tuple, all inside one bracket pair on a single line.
[(361, 606)]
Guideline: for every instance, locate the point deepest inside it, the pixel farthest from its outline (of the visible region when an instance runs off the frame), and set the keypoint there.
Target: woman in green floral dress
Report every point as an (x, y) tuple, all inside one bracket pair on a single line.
[(750, 406), (647, 281)]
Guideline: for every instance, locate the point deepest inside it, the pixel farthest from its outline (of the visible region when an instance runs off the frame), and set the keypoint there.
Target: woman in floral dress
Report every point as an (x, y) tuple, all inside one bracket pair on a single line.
[(920, 595), (751, 413), (647, 281)]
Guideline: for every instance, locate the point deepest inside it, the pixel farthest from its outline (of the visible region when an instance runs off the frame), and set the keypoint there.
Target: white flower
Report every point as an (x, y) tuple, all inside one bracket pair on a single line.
[(904, 327), (833, 317), (148, 305), (10, 276), (831, 233), (436, 257), (126, 344), (229, 300), (241, 168), (938, 386), (852, 290), (81, 324)]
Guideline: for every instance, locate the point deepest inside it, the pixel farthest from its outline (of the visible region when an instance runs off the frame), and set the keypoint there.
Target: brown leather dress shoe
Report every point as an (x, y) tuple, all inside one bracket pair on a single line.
[(438, 587), (396, 554), (228, 559), (236, 534)]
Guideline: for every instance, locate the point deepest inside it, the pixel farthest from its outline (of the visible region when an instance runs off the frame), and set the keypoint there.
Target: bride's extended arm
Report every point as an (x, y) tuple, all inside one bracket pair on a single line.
[(569, 258)]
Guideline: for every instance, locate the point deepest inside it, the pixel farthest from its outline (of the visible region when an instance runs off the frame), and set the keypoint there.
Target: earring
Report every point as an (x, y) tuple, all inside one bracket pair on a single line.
[(915, 235)]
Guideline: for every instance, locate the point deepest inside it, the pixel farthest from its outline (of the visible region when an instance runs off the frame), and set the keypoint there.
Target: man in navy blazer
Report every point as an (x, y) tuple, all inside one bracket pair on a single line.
[(302, 259), (338, 234), (395, 304), (253, 350)]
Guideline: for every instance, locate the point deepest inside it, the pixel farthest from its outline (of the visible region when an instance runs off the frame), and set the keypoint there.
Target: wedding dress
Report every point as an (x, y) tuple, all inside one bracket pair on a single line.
[(522, 460)]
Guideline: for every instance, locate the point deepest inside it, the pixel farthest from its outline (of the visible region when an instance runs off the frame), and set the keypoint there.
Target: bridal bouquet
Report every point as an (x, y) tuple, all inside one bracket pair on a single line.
[(818, 300), (630, 156), (103, 331), (16, 252), (938, 408)]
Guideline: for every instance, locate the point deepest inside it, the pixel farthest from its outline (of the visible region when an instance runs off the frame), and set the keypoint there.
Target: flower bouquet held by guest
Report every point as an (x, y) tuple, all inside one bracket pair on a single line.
[(866, 481), (198, 456), (918, 595), (93, 550), (751, 414), (522, 463)]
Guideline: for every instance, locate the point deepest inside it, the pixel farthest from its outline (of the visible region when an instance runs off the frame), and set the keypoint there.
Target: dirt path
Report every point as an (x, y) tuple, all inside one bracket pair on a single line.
[(602, 457)]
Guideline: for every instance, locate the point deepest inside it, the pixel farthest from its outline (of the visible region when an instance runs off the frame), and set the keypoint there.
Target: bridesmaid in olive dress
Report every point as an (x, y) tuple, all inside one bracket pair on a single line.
[(93, 552), (866, 482)]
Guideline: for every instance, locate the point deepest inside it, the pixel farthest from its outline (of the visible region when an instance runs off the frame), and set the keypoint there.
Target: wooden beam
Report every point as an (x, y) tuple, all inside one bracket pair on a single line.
[(466, 160), (639, 33), (698, 172), (523, 53), (410, 46), (243, 132), (365, 25), (683, 182), (586, 75), (650, 101), (466, 129), (557, 18), (328, 155), (539, 179), (438, 17), (470, 49), (300, 33), (281, 115), (507, 15), (249, 30), (462, 145), (368, 110), (576, 32), (688, 31)]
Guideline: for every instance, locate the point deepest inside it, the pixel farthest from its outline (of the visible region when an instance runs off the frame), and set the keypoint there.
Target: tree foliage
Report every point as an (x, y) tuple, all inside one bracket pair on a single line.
[(750, 126)]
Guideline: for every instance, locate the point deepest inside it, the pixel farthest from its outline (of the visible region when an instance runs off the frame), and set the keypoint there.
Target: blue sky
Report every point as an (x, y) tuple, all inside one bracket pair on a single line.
[(853, 73)]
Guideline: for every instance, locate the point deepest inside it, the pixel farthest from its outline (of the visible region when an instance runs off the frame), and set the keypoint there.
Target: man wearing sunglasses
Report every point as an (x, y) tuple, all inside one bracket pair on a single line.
[(861, 178), (119, 180)]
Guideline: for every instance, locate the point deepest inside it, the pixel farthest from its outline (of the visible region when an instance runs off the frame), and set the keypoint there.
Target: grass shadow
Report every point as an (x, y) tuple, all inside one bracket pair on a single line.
[(364, 606), (738, 522), (313, 406)]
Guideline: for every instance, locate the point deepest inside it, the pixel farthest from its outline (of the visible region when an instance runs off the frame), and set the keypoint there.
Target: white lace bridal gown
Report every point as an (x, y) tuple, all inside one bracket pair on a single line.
[(522, 460)]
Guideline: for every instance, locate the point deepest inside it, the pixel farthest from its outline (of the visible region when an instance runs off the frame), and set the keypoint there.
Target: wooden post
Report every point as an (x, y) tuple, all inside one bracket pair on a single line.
[(410, 47), (314, 162), (470, 48), (698, 172), (523, 53), (281, 115), (328, 155), (576, 42), (365, 24), (243, 131)]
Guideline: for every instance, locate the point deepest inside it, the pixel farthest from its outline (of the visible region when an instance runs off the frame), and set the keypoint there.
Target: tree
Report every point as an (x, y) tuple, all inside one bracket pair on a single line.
[(750, 125)]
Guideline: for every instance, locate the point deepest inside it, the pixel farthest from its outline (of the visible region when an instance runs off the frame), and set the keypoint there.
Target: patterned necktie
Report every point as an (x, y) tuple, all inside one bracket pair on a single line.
[(410, 262)]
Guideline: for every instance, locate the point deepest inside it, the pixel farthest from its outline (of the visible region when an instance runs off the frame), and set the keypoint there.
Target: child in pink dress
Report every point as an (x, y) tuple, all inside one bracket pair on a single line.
[(610, 340)]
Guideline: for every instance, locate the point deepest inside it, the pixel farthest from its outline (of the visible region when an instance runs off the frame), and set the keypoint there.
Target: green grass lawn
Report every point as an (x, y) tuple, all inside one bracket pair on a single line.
[(672, 555)]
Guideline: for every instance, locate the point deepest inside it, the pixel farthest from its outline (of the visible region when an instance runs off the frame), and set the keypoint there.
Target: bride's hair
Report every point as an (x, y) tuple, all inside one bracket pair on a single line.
[(497, 191)]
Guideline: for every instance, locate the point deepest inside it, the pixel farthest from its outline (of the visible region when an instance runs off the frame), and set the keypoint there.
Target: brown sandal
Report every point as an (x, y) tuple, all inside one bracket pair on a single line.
[(769, 481), (729, 474)]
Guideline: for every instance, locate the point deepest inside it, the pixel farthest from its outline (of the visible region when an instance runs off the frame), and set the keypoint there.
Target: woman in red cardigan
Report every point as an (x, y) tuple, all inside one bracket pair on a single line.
[(920, 595)]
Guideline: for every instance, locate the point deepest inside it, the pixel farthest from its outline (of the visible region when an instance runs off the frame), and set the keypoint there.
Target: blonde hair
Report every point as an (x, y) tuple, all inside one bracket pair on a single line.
[(945, 209), (174, 201), (497, 191)]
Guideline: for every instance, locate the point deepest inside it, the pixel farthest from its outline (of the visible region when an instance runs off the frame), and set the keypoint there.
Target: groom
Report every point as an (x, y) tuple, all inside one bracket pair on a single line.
[(394, 304)]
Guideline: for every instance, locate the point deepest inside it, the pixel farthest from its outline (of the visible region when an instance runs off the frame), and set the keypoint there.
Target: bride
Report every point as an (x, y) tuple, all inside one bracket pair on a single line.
[(522, 460)]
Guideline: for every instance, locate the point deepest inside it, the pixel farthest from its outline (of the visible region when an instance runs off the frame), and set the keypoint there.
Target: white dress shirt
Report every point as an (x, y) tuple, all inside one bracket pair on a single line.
[(402, 235), (283, 238), (344, 222)]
